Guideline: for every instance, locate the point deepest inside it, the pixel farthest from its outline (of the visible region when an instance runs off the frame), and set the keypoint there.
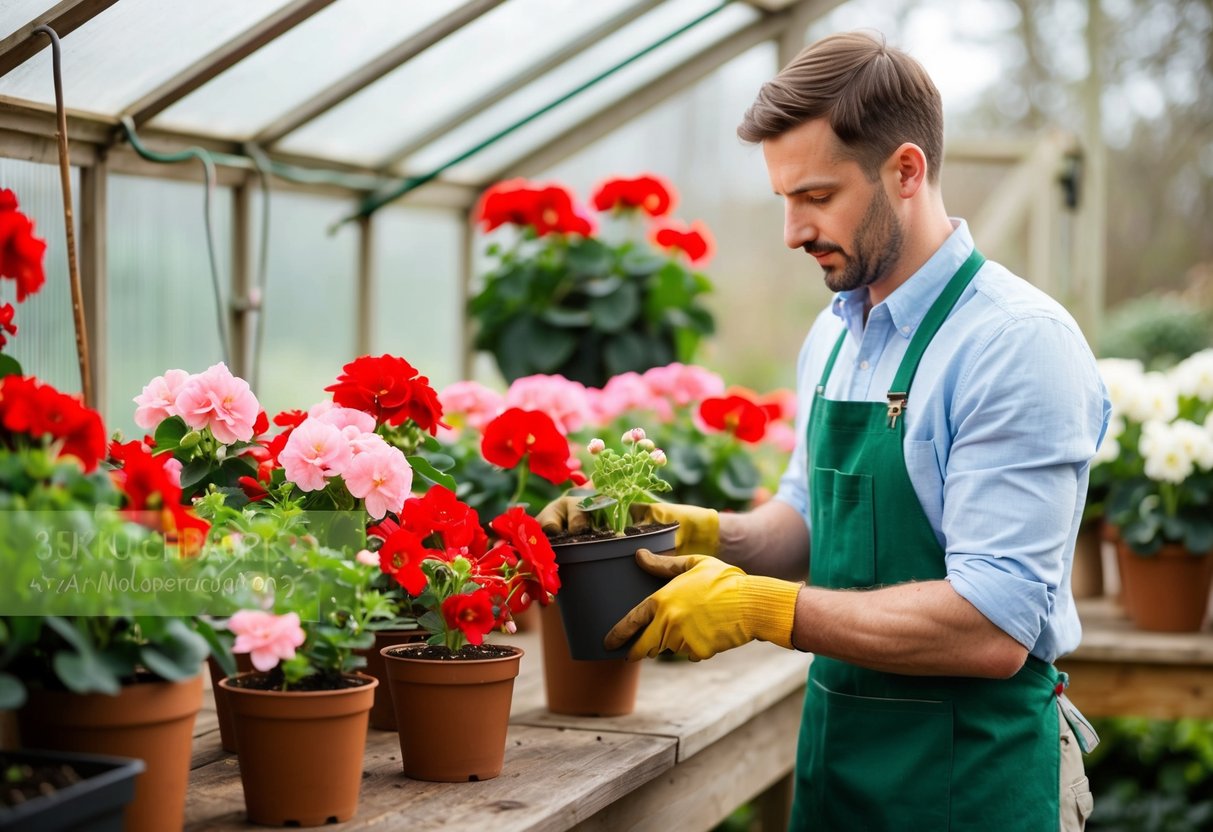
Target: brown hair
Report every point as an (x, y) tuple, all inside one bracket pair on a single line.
[(875, 98)]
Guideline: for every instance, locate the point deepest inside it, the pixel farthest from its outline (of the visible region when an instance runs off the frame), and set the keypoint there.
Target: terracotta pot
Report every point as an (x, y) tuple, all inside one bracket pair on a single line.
[(452, 716), (1128, 589), (300, 751), (1086, 576), (1167, 591), (600, 582), (527, 621), (597, 688), (227, 734), (150, 721), (383, 715)]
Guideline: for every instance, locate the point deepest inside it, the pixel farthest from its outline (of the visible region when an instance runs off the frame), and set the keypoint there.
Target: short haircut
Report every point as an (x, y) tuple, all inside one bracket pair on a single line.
[(875, 97)]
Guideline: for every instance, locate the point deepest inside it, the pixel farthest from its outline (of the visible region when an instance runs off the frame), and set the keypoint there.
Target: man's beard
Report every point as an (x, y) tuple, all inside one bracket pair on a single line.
[(878, 244)]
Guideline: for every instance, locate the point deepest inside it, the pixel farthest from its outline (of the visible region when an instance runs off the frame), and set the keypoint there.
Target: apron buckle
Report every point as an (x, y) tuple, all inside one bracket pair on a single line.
[(897, 406)]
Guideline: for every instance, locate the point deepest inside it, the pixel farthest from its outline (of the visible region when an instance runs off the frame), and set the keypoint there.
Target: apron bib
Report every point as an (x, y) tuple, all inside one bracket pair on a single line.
[(883, 751)]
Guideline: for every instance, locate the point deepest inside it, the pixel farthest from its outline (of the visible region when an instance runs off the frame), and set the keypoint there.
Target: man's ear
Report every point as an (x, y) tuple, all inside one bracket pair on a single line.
[(907, 166)]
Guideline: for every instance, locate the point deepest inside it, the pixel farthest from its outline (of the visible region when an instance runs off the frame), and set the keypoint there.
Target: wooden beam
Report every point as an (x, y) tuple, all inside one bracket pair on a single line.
[(610, 117), (355, 81), (223, 58), (65, 17), (94, 274), (512, 85), (240, 312)]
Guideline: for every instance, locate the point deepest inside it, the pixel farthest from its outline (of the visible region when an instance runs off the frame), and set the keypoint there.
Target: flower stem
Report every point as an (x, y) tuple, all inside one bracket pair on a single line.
[(523, 472)]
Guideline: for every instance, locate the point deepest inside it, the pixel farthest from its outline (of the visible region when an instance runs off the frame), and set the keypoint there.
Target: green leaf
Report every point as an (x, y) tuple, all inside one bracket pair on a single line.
[(590, 257), (739, 477), (539, 348), (177, 653), (85, 673), (627, 351), (9, 366), (1198, 536), (427, 471), (603, 286), (566, 318), (12, 692), (169, 434), (614, 312), (194, 472)]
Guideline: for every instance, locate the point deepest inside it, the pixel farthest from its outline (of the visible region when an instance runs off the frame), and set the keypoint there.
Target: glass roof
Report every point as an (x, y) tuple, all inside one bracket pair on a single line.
[(130, 48), (16, 13), (300, 63)]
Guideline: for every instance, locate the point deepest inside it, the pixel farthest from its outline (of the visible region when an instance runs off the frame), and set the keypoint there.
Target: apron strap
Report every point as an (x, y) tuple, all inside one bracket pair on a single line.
[(825, 374)]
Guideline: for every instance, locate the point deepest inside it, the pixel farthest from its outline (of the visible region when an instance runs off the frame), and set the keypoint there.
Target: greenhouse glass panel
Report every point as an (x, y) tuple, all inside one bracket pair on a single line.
[(437, 83), (417, 306), (16, 13), (610, 51), (300, 63), (130, 48), (162, 311), (310, 301), (45, 343)]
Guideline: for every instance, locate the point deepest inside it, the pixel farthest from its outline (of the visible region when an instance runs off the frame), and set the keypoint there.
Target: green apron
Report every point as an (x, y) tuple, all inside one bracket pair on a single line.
[(883, 751)]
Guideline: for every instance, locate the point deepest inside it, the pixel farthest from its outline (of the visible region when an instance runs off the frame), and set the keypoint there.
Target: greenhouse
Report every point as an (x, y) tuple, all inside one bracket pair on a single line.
[(424, 415)]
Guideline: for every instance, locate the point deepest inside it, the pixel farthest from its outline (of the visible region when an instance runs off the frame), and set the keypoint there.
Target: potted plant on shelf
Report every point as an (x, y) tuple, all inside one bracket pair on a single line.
[(442, 557), (564, 300), (1160, 491)]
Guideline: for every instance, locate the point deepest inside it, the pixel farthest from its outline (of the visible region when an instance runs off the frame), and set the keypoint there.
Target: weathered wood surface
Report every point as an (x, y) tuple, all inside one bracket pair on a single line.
[(1108, 635), (705, 737)]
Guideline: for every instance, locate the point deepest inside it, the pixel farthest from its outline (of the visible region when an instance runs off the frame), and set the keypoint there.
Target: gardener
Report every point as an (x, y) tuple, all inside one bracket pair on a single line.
[(948, 413)]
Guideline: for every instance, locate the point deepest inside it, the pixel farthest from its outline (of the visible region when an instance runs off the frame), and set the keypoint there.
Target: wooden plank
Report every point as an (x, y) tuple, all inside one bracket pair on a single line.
[(1109, 636), (698, 703), (1140, 689), (65, 17), (94, 235), (702, 791), (551, 780)]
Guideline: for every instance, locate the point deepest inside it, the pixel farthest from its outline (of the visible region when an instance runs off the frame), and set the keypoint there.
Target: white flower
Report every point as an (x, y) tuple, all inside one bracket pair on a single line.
[(1166, 456), (1197, 442), (1194, 376), (1122, 377), (1156, 399)]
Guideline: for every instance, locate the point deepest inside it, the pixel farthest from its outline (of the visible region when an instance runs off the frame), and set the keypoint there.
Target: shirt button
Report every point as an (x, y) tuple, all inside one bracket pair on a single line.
[(906, 330), (863, 365)]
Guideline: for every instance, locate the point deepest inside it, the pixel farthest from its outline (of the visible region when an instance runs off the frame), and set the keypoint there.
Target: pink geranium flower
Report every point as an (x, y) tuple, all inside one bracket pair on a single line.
[(218, 400), (624, 393), (267, 638), (382, 477), (471, 403), (565, 401), (682, 384), (342, 417), (158, 401), (315, 450)]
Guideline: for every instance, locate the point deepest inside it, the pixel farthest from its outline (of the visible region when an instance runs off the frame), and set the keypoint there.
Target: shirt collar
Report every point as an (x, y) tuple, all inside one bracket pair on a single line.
[(909, 302)]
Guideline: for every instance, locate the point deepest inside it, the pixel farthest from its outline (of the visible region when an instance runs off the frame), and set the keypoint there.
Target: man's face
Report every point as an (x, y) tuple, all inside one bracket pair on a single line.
[(831, 209)]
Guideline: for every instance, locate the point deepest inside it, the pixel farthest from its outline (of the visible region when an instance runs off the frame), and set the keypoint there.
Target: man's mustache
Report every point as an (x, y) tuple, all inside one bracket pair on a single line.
[(817, 248)]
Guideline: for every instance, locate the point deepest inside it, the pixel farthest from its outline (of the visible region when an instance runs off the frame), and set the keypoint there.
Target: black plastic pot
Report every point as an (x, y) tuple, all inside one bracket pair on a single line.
[(95, 804), (600, 583)]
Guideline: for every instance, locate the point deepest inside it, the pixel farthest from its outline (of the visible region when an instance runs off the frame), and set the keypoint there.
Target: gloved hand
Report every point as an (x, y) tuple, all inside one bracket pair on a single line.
[(707, 608), (698, 528)]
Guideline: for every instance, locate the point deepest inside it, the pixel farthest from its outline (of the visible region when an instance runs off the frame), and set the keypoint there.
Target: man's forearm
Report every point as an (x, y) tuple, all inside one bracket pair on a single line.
[(921, 629), (770, 540)]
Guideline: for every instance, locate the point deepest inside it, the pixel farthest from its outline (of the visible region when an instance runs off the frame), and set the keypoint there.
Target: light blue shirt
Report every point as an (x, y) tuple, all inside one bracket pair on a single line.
[(1004, 415)]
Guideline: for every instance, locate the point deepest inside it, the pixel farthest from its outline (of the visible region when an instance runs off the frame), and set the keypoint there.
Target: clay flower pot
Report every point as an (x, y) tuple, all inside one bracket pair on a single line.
[(600, 583), (149, 721), (452, 714), (1167, 591), (383, 715), (227, 734), (300, 751), (596, 688)]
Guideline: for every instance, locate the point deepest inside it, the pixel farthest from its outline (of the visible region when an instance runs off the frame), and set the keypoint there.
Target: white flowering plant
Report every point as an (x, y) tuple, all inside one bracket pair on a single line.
[(622, 479), (1154, 470)]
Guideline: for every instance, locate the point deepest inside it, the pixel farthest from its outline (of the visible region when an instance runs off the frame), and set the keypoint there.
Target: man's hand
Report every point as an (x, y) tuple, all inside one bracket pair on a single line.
[(698, 528), (707, 608)]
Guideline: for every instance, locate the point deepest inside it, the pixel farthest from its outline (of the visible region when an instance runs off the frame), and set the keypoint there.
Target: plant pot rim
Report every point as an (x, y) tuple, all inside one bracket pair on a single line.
[(516, 653), (370, 683), (666, 529)]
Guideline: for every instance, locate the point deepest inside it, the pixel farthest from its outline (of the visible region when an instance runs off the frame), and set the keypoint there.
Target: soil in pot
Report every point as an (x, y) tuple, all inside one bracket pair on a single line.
[(301, 751), (57, 791), (474, 685)]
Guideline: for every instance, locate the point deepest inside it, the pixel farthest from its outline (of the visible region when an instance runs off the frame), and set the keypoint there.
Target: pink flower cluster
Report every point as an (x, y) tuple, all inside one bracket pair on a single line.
[(267, 638), (335, 441), (214, 399)]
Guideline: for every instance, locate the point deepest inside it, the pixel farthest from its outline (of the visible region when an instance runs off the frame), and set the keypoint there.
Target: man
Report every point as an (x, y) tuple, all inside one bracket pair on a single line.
[(948, 415)]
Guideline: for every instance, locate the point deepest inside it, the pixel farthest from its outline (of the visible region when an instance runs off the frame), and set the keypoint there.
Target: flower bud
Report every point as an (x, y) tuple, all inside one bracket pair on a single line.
[(646, 444), (658, 457), (633, 436), (596, 446), (190, 439)]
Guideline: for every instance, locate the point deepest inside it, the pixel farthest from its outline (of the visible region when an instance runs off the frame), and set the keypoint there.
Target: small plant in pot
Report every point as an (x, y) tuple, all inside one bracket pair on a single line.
[(596, 548), (468, 586)]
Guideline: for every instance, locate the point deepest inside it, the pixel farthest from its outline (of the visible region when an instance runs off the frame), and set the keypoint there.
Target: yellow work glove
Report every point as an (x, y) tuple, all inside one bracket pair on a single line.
[(698, 528), (707, 607)]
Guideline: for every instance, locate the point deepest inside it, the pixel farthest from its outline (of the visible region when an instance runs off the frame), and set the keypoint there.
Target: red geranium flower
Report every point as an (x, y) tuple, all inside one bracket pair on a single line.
[(401, 555), (649, 193), (531, 434), (252, 488), (39, 410), (693, 241), (535, 552), (388, 388), (440, 512), (152, 498), (472, 613), (21, 253), (737, 415), (6, 322), (548, 209)]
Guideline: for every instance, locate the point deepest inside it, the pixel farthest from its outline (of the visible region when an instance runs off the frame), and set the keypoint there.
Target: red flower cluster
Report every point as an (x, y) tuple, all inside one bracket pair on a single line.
[(519, 434), (153, 497), (549, 209), (649, 193), (518, 569), (694, 241), (21, 253), (6, 322), (40, 411), (390, 389), (738, 415)]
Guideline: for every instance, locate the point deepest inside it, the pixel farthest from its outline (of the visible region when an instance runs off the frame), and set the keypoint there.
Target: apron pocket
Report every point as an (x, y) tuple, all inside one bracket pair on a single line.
[(844, 523), (887, 763)]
